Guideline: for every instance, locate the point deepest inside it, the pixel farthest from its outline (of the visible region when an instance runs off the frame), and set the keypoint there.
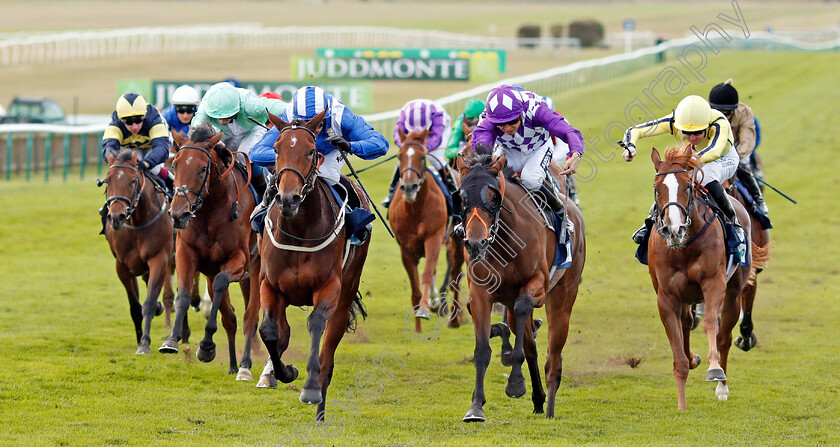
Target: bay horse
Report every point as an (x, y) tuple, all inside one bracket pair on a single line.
[(687, 264), (213, 239), (761, 238), (418, 216), (510, 252), (140, 238), (307, 261)]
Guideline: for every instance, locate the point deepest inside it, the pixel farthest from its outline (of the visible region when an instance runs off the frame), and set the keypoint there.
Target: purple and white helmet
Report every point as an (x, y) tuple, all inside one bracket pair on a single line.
[(504, 104)]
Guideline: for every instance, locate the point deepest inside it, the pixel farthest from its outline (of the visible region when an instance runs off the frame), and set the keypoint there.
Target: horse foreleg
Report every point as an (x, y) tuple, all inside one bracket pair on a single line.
[(670, 311), (157, 276), (558, 309), (185, 262), (336, 326), (504, 334), (481, 356), (728, 320), (274, 332), (713, 295), (455, 260), (315, 323), (747, 340), (522, 310), (129, 282), (168, 292), (687, 323), (229, 323), (531, 356), (410, 263), (432, 248)]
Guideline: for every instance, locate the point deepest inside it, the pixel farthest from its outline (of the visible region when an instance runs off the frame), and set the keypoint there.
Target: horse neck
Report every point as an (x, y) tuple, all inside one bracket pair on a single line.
[(147, 205), (220, 193)]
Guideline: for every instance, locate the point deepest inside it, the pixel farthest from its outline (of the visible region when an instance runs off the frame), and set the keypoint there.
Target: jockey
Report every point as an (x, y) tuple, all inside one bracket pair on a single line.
[(241, 116), (419, 114), (340, 129), (519, 124), (710, 136), (181, 110), (724, 97), (136, 124), (559, 154), (465, 122)]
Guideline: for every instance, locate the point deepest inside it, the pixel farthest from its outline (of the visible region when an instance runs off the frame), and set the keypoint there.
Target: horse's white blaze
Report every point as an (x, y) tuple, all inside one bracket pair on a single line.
[(410, 152), (189, 160), (722, 391), (673, 211), (119, 175), (294, 142)]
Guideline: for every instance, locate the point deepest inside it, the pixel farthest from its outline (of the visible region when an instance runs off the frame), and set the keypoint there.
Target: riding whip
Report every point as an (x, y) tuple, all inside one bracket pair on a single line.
[(774, 189)]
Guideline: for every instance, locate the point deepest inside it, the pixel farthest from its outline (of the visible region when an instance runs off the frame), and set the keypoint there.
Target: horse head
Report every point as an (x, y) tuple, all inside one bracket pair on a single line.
[(125, 187), (193, 163), (297, 161), (412, 162), (674, 193), (482, 193)]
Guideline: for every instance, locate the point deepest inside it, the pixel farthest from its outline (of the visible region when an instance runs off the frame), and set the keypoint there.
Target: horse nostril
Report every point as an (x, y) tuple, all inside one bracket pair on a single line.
[(296, 199)]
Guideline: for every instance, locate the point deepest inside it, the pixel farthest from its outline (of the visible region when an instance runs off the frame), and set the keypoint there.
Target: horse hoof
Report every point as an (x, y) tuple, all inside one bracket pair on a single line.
[(722, 391), (695, 361), (143, 350), (745, 344), (168, 347), (715, 375), (422, 313), (474, 415), (537, 324), (454, 323), (267, 381), (158, 309), (436, 304), (205, 355), (515, 390), (310, 396), (244, 375), (292, 371), (507, 358), (695, 322)]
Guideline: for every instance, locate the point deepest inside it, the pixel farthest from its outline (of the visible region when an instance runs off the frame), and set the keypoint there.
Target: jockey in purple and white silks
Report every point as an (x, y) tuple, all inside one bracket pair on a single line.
[(519, 125), (420, 114)]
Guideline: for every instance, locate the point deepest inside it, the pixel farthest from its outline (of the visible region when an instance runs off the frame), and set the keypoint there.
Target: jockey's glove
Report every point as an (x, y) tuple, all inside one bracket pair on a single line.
[(143, 165), (339, 143), (629, 150)]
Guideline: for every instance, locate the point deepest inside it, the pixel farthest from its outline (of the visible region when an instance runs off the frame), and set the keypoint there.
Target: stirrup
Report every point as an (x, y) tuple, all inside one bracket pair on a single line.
[(762, 205), (639, 235)]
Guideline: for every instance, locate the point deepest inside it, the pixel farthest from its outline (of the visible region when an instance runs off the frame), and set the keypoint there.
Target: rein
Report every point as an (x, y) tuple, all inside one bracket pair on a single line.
[(685, 208), (206, 184), (136, 195), (309, 179)]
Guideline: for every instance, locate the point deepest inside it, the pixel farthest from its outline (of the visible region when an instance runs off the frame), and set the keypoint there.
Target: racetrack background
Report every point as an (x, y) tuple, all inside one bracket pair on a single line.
[(71, 378)]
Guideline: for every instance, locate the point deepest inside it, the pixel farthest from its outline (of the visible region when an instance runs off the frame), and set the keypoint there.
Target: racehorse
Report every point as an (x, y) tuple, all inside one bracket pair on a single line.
[(761, 238), (687, 264), (418, 216), (214, 239), (307, 261), (510, 252), (140, 240)]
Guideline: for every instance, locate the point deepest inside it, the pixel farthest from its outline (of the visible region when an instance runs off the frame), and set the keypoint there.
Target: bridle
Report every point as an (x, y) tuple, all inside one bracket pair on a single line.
[(411, 168), (206, 184), (132, 202), (309, 178), (660, 212), (491, 230)]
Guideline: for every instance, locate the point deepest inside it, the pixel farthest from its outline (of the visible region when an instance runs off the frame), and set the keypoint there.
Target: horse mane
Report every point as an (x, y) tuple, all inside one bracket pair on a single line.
[(299, 122), (681, 155), (124, 155), (202, 133), (485, 161)]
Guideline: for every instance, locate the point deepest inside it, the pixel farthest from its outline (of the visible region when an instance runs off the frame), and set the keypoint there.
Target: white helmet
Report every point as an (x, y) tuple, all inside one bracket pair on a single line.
[(185, 95)]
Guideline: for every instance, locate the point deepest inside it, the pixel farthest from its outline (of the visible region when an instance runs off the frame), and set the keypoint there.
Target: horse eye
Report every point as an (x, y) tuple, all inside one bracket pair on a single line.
[(203, 169)]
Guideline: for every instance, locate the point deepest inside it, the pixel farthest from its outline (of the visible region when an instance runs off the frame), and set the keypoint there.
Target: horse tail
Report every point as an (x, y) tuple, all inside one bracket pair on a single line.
[(356, 309), (760, 256)]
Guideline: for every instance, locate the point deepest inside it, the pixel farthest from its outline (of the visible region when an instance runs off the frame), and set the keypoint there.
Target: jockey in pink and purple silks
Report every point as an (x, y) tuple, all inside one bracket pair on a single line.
[(519, 124)]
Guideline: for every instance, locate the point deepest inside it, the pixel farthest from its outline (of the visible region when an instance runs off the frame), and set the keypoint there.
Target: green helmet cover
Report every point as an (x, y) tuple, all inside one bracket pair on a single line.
[(473, 108), (222, 101)]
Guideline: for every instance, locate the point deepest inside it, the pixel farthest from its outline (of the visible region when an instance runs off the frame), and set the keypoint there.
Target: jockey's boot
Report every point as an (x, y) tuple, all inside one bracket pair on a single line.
[(258, 182), (547, 194), (449, 181), (722, 201), (639, 235), (748, 180), (386, 202), (258, 215)]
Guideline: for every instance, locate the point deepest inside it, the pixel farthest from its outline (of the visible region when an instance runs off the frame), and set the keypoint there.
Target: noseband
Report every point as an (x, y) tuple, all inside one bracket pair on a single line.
[(491, 230), (411, 168), (205, 183), (685, 208), (308, 179), (130, 202)]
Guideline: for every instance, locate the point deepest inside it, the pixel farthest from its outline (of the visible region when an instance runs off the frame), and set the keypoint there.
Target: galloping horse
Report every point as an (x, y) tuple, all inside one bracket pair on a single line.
[(140, 240), (215, 239), (761, 238), (687, 263), (307, 261), (511, 251), (418, 216)]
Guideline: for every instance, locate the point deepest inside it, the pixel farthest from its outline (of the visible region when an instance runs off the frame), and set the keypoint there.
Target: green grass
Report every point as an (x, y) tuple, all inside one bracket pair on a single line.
[(71, 378)]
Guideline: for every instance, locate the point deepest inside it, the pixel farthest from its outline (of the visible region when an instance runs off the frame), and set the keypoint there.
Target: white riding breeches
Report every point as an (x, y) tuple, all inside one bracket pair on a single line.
[(721, 169), (531, 166)]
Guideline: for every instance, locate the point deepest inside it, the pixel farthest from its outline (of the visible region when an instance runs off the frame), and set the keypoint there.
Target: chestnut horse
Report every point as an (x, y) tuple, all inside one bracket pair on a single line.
[(761, 238), (687, 263), (214, 239), (418, 216), (140, 240), (510, 253), (307, 261)]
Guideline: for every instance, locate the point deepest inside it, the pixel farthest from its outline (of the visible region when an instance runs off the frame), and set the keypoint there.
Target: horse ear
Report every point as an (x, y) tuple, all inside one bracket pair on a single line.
[(110, 158), (655, 158), (214, 140), (424, 134), (134, 158), (498, 165), (178, 138), (401, 133), (465, 128), (461, 165), (278, 123), (316, 121)]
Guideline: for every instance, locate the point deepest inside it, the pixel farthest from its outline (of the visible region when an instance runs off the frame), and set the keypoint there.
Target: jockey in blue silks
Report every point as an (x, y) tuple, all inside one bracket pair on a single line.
[(341, 129)]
